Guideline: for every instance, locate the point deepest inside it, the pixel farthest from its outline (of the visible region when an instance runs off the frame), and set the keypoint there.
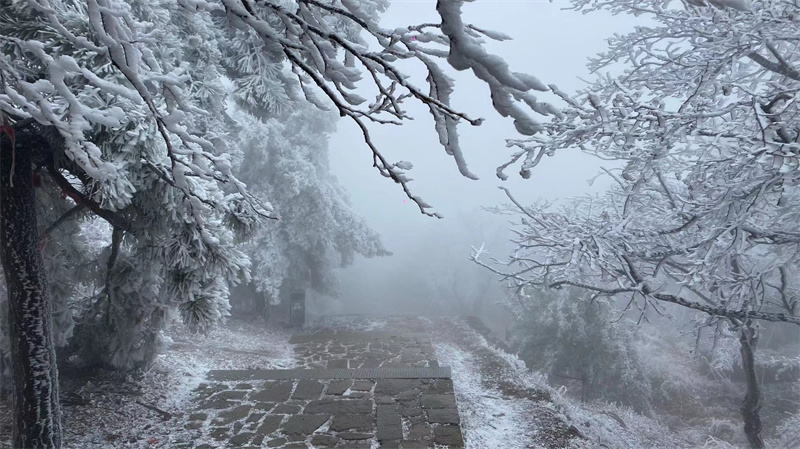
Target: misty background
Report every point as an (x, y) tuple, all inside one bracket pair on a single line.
[(550, 42)]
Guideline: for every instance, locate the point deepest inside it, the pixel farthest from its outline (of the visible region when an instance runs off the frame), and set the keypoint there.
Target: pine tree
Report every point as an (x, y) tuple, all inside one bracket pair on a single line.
[(120, 106), (286, 160)]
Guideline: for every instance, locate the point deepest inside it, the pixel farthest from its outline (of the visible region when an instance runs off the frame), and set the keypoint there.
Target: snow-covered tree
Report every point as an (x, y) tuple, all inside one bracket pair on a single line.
[(286, 160), (120, 106), (703, 134), (581, 341)]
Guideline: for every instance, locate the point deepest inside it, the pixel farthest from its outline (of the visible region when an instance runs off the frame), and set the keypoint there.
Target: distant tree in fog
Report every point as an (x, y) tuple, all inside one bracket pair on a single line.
[(703, 136), (582, 342), (286, 161)]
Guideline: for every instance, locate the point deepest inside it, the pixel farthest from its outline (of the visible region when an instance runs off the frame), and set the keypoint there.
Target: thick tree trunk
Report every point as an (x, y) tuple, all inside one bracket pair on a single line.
[(751, 407), (35, 375)]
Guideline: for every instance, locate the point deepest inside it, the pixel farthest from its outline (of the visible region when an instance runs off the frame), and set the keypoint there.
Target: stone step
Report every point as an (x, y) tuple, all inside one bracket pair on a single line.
[(442, 372), (357, 337)]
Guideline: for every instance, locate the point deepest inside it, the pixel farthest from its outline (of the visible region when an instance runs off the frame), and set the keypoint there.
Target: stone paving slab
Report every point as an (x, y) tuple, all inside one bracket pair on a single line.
[(348, 337), (366, 373), (353, 390)]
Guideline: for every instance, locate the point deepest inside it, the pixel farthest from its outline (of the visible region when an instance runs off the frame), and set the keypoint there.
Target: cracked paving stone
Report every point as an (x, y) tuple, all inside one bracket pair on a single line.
[(304, 424), (441, 386), (338, 387), (275, 392), (443, 416), (362, 385), (420, 431), (390, 423), (231, 394), (286, 409), (410, 409), (241, 438), (193, 425), (351, 422), (255, 417), (438, 401), (337, 364), (215, 404), (219, 433), (332, 406), (270, 424), (324, 440), (391, 387), (448, 435), (371, 363), (355, 436), (308, 389), (415, 445), (226, 417)]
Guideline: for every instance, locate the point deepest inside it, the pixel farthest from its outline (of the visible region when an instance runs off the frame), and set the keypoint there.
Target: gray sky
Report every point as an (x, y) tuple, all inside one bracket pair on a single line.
[(549, 43)]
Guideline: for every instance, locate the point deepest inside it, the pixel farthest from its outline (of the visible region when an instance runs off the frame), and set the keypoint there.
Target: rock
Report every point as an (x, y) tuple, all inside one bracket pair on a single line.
[(243, 387), (438, 401), (308, 389), (448, 435), (274, 392), (304, 424), (198, 417), (333, 406), (443, 416)]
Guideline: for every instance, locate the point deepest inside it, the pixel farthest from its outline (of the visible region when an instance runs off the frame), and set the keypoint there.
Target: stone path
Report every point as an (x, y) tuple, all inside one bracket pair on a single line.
[(357, 390)]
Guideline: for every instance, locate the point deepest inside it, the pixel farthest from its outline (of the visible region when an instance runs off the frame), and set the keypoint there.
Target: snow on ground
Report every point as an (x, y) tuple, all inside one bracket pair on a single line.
[(104, 409), (487, 418), (499, 399)]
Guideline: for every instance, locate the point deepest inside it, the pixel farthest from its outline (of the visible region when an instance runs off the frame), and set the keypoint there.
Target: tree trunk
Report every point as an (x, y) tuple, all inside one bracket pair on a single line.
[(751, 407), (33, 361)]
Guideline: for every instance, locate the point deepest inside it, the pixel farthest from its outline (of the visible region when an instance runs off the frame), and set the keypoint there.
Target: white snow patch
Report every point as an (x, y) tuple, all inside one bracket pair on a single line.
[(487, 419)]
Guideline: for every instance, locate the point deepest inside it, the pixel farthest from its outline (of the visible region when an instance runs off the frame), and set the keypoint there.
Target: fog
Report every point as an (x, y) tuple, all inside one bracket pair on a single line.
[(548, 41)]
